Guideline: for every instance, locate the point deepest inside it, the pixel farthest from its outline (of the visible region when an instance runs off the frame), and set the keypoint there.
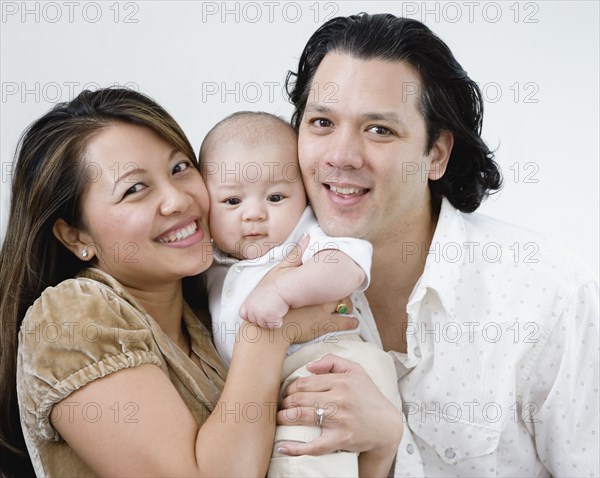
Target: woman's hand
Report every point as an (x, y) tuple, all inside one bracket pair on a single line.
[(357, 416)]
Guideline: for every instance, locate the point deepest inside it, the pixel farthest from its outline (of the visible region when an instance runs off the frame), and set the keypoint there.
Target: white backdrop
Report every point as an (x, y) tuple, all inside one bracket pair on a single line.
[(536, 62)]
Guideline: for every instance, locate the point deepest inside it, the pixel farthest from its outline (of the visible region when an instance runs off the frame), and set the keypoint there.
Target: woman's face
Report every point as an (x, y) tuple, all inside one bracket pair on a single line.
[(145, 208)]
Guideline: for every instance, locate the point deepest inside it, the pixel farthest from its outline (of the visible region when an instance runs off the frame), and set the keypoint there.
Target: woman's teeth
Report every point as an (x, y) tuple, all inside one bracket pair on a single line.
[(180, 234)]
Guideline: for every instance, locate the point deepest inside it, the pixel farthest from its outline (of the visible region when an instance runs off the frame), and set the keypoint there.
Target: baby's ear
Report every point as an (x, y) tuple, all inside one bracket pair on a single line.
[(77, 241)]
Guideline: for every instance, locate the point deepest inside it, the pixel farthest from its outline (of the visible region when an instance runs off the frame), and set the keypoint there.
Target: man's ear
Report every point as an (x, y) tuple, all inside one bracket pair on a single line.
[(440, 154), (77, 241)]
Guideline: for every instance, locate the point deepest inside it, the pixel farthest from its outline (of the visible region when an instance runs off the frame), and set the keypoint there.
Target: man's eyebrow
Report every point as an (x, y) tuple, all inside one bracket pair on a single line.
[(389, 116), (317, 108), (386, 116)]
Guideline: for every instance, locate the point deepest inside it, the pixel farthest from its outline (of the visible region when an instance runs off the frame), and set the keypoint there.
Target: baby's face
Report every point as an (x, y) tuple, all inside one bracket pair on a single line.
[(256, 196)]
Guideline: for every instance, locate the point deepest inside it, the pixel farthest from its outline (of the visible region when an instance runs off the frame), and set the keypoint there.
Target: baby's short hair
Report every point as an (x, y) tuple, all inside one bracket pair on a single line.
[(245, 127)]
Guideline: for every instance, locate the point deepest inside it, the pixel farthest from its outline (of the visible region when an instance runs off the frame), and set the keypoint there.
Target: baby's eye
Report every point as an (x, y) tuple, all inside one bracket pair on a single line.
[(137, 187), (232, 201), (380, 130), (275, 197), (181, 166)]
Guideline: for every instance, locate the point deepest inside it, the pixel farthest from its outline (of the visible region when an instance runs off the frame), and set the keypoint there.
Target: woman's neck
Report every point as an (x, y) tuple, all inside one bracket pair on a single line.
[(165, 305)]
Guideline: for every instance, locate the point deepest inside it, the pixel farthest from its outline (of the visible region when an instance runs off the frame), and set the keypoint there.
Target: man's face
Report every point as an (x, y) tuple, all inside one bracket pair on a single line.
[(361, 148)]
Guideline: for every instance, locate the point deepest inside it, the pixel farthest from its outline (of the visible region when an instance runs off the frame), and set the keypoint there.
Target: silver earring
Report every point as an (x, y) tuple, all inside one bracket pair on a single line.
[(84, 253)]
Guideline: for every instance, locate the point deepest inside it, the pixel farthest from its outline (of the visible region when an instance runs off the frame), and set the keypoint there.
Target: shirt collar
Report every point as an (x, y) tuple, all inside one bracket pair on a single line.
[(444, 260), (107, 279), (201, 337), (221, 257)]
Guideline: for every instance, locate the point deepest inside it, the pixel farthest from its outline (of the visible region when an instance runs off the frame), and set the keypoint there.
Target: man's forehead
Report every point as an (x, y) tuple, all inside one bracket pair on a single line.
[(343, 78), (344, 60)]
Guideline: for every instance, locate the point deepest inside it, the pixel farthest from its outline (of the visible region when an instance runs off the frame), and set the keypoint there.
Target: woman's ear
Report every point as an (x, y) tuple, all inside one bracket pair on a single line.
[(77, 241), (440, 154)]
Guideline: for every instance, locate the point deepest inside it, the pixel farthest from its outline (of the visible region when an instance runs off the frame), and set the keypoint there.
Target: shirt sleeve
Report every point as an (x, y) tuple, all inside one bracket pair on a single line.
[(73, 334), (560, 403), (359, 250)]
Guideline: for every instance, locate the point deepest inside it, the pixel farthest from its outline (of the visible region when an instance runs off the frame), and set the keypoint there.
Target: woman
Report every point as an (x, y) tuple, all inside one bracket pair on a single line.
[(114, 373)]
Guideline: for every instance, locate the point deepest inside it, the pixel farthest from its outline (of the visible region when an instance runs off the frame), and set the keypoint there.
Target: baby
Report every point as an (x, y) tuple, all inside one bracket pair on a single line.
[(258, 214)]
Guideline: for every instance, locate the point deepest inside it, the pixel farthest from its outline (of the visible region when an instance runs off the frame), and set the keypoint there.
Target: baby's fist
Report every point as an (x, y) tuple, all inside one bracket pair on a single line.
[(264, 307)]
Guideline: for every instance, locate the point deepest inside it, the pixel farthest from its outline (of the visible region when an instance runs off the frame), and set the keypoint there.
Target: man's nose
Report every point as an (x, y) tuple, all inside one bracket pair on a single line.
[(345, 150)]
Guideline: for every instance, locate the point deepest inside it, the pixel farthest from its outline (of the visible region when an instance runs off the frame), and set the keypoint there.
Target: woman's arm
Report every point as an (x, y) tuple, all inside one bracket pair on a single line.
[(162, 437), (237, 439), (361, 420)]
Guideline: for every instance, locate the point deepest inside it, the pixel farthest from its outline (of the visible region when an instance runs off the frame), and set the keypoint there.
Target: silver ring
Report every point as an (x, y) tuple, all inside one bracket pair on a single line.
[(319, 416)]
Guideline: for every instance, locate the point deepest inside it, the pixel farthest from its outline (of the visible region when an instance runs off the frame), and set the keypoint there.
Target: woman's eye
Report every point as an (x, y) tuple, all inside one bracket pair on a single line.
[(275, 197), (134, 189), (380, 130), (181, 166), (232, 201)]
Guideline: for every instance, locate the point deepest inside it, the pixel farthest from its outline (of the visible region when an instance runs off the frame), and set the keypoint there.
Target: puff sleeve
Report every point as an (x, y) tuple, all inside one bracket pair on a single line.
[(76, 332)]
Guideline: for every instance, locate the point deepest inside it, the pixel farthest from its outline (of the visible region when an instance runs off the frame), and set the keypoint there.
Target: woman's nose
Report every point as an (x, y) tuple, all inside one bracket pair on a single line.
[(175, 200)]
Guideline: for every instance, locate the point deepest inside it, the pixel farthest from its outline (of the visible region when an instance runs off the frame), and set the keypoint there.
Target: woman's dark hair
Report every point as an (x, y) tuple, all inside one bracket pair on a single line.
[(449, 99), (49, 181)]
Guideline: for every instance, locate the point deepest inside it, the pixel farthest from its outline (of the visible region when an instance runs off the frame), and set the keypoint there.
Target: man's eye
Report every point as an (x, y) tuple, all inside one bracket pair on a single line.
[(321, 122), (275, 197), (137, 187), (181, 166), (380, 130), (232, 201)]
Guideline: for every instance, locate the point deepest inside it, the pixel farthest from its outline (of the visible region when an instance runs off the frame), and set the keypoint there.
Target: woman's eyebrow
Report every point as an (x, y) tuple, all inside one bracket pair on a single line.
[(134, 169), (128, 172)]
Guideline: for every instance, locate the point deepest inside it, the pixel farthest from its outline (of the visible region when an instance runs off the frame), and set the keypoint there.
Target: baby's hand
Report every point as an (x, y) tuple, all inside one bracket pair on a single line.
[(265, 307)]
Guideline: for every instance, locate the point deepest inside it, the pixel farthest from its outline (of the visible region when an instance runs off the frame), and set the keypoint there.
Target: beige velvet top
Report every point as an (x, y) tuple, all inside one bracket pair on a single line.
[(86, 328)]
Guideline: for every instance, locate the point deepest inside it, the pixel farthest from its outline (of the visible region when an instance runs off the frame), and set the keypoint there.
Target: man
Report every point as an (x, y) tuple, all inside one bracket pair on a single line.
[(494, 332)]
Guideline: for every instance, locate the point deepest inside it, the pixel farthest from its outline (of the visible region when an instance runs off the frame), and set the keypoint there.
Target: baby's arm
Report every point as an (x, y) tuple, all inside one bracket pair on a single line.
[(327, 276)]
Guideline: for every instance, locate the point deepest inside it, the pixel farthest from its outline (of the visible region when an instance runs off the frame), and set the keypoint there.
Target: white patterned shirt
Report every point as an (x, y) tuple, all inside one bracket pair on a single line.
[(501, 372)]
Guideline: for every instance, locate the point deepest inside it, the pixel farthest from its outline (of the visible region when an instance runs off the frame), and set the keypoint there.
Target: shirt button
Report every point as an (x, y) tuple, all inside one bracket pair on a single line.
[(229, 294), (410, 449), (417, 352), (237, 269), (449, 453)]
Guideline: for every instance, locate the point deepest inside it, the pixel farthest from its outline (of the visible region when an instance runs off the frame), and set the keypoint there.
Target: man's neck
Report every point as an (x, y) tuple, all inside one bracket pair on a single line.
[(398, 263)]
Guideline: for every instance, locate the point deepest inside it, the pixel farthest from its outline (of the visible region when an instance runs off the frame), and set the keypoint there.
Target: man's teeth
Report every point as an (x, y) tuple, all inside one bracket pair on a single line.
[(344, 190), (180, 234)]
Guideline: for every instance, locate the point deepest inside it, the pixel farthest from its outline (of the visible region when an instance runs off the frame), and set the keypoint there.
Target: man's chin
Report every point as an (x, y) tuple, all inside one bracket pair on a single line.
[(339, 227)]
